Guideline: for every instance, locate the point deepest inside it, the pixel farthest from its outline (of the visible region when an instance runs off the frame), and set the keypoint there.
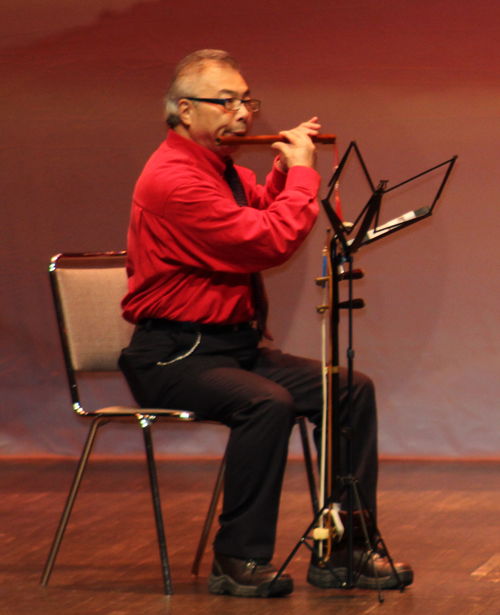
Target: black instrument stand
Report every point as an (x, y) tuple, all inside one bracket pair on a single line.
[(341, 253), (344, 484)]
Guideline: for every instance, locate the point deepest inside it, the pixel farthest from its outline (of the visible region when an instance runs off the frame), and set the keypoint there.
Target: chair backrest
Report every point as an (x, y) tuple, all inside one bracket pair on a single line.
[(88, 289)]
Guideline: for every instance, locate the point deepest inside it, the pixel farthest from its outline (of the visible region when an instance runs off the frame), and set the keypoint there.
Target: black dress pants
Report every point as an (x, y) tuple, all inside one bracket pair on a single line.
[(257, 392)]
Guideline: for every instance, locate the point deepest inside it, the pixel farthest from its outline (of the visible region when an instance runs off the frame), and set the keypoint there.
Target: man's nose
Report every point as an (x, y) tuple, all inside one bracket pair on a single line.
[(243, 113)]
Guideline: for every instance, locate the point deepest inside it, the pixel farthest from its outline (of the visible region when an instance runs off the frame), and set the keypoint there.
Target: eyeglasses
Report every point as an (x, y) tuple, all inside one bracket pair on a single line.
[(231, 104)]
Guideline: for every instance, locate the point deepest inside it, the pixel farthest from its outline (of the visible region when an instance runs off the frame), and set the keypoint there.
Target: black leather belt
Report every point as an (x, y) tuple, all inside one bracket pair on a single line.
[(176, 325)]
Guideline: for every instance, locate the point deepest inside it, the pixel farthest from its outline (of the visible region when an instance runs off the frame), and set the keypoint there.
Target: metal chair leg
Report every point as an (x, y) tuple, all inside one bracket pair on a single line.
[(70, 501), (145, 423), (309, 465), (209, 518)]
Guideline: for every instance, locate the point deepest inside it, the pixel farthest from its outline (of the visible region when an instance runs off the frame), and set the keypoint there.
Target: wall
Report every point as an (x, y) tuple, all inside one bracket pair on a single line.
[(412, 83)]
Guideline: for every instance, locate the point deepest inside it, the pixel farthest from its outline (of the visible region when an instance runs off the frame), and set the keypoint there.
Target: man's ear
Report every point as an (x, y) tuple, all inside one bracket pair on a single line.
[(185, 108)]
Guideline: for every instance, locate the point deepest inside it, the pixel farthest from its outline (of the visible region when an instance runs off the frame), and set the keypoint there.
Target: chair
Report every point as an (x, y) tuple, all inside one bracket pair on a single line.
[(87, 290)]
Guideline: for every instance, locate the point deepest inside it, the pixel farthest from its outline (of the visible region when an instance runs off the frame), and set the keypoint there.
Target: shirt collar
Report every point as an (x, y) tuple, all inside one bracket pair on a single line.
[(197, 151)]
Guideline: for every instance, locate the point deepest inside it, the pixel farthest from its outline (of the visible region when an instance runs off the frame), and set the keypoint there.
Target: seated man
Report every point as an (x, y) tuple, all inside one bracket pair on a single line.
[(201, 232)]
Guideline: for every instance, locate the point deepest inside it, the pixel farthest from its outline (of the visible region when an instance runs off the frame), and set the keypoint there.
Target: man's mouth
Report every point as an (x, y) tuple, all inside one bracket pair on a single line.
[(230, 135)]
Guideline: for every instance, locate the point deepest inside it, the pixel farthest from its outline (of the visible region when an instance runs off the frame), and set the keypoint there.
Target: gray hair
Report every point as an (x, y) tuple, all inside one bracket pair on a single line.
[(185, 76)]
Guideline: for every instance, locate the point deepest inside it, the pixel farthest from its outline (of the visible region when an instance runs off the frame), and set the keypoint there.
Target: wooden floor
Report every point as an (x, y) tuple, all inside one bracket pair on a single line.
[(443, 518)]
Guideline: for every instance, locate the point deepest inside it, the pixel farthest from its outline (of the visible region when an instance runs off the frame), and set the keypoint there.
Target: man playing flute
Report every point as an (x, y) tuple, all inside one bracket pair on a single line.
[(201, 232)]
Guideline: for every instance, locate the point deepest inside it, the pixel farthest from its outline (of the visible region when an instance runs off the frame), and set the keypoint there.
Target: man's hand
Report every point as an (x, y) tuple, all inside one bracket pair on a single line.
[(300, 150)]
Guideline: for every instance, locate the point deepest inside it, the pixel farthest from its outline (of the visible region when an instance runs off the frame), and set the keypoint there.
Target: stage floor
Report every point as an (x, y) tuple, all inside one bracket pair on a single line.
[(443, 518)]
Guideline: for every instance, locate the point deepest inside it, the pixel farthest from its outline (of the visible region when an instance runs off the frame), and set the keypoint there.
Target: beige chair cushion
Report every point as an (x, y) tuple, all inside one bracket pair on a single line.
[(95, 328)]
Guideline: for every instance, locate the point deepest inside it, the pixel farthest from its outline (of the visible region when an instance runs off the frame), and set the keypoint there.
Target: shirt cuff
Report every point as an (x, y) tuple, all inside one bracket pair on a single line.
[(304, 176), (278, 177)]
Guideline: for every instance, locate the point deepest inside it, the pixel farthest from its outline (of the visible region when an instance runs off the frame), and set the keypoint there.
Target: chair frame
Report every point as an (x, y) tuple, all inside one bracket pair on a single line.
[(145, 417)]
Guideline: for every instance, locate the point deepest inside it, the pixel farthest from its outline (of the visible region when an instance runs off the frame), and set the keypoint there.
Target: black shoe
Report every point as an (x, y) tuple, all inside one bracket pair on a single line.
[(366, 573), (246, 578)]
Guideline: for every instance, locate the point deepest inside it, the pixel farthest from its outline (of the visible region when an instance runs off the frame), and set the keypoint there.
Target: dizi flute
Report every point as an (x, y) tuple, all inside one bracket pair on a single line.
[(268, 139)]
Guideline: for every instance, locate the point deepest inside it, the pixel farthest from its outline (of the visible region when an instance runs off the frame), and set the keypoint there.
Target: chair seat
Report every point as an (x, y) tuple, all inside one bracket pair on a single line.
[(134, 410)]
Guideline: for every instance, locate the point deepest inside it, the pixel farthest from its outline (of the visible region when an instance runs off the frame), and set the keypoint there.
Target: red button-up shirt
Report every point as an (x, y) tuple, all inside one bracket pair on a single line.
[(192, 248)]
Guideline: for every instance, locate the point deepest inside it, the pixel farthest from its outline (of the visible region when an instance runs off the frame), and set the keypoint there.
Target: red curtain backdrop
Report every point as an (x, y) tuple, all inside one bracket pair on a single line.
[(412, 83)]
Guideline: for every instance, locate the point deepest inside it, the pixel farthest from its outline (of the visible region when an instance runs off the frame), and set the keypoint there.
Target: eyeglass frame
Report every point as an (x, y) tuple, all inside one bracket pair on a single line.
[(224, 102)]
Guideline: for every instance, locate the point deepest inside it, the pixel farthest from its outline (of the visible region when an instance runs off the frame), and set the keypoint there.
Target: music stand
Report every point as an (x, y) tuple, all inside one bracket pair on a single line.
[(341, 251)]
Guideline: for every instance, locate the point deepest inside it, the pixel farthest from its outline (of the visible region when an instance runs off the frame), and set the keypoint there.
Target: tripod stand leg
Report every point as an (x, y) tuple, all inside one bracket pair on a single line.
[(369, 548), (371, 543), (302, 540)]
